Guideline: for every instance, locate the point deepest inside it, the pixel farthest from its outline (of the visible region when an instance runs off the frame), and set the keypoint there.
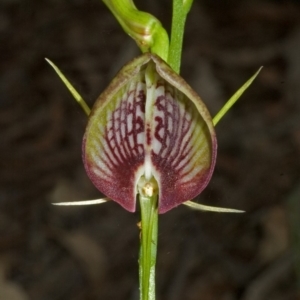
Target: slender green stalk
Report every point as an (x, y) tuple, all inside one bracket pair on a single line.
[(180, 11), (148, 245)]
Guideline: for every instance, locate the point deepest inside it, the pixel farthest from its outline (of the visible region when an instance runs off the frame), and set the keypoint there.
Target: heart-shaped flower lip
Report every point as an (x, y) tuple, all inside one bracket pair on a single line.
[(149, 123)]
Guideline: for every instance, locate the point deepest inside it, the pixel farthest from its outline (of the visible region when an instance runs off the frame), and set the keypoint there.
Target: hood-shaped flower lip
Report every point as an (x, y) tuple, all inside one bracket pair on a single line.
[(149, 122)]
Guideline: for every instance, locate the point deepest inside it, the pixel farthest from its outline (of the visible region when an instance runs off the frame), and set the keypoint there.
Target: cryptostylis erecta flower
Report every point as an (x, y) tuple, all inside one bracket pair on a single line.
[(149, 123), (149, 135)]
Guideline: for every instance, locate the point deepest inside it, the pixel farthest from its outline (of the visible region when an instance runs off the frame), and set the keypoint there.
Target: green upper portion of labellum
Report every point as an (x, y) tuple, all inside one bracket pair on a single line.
[(149, 123)]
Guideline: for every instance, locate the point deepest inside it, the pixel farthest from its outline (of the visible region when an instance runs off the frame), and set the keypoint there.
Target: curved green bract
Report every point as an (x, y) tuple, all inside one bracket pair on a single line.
[(144, 28)]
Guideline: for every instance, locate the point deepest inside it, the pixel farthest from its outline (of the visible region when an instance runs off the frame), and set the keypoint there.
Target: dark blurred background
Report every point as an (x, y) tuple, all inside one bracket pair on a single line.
[(77, 253)]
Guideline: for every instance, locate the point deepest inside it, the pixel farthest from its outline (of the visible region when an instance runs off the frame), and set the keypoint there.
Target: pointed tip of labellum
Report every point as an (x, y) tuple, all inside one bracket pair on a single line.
[(149, 122)]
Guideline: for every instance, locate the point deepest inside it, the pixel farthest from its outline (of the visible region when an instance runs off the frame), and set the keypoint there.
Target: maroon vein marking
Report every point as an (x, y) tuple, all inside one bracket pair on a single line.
[(123, 151), (111, 148), (107, 154), (138, 124), (127, 133), (116, 120), (122, 148), (184, 130), (180, 127), (177, 121), (176, 159), (123, 123)]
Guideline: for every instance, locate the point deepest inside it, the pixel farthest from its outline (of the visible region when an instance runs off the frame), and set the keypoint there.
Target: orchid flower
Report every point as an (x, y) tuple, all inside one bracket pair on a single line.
[(125, 101), (149, 123), (149, 135)]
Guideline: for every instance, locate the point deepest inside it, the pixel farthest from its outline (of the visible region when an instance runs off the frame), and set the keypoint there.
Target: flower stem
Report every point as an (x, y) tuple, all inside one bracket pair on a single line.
[(180, 11), (148, 246)]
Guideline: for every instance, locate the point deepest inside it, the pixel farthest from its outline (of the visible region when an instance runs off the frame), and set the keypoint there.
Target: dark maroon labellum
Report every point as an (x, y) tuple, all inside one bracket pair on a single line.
[(149, 123)]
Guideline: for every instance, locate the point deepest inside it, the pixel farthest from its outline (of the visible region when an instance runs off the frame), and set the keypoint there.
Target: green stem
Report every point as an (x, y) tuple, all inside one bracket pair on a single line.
[(180, 11), (148, 247)]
